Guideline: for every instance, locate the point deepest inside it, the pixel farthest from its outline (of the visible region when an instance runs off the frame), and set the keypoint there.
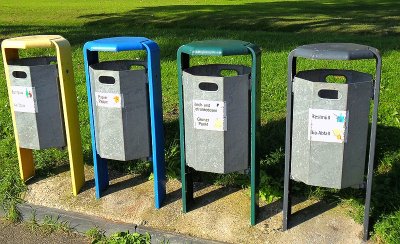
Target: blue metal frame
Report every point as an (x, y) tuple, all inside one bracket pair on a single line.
[(118, 44)]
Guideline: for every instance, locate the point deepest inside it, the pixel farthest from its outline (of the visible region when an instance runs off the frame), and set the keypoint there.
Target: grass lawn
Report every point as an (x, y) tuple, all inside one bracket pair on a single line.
[(277, 26)]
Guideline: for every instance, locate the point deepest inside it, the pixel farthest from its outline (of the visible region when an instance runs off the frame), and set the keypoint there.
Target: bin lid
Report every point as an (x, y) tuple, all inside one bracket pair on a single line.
[(335, 51), (117, 44), (217, 48)]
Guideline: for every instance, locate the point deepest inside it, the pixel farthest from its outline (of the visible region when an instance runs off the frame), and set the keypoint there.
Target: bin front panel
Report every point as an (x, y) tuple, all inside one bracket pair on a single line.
[(322, 111), (120, 99), (211, 149), (38, 116)]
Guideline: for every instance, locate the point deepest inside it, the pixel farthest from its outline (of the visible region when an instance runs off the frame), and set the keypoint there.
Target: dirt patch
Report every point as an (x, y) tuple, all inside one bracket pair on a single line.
[(220, 213), (20, 233)]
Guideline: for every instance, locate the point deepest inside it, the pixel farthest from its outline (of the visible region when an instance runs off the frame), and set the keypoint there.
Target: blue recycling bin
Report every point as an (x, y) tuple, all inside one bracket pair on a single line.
[(125, 108)]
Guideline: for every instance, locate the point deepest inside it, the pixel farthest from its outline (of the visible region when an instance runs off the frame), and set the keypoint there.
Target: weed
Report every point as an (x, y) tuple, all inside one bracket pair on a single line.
[(96, 234), (98, 237), (51, 224)]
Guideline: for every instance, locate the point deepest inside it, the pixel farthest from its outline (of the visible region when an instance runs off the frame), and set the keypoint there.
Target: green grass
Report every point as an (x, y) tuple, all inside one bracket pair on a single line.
[(275, 25)]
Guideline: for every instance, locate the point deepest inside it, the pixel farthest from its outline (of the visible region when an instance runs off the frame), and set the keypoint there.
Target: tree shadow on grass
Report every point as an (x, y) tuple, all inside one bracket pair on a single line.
[(275, 26), (281, 16)]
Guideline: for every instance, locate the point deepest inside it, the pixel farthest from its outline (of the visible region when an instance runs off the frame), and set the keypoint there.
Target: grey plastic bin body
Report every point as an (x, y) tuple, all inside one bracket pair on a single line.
[(121, 133), (218, 151), (43, 128), (330, 164)]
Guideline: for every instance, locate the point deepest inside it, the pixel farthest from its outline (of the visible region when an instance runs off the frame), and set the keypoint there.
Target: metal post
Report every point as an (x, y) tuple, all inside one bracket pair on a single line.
[(186, 174), (101, 179), (255, 138), (287, 205), (372, 143), (156, 118)]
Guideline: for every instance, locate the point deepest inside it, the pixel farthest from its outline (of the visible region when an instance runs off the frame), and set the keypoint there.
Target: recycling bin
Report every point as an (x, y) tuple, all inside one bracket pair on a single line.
[(36, 98), (330, 127), (43, 102), (219, 115), (125, 108), (216, 118), (327, 122), (121, 111)]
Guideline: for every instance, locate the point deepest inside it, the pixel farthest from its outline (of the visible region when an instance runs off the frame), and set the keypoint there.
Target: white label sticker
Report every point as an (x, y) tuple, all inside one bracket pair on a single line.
[(209, 115), (24, 99), (327, 125), (109, 100)]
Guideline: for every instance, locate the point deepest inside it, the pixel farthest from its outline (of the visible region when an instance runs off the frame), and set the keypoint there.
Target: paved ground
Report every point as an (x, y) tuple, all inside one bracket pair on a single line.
[(22, 234), (220, 213)]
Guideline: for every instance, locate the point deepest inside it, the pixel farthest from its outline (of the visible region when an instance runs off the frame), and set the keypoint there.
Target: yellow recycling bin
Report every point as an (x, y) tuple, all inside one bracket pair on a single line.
[(43, 102)]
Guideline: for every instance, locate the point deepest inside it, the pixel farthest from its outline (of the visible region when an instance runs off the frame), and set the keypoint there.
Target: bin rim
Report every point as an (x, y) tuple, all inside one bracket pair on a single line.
[(20, 61), (100, 65), (192, 70)]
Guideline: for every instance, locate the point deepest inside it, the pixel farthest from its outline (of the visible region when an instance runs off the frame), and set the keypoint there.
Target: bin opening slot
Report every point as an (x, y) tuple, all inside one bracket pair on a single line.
[(208, 86), (336, 79), (137, 67), (19, 74), (229, 72), (107, 80), (328, 94)]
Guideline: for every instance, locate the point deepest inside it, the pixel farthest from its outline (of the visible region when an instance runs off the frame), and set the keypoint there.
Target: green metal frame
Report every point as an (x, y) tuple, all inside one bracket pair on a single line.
[(224, 48)]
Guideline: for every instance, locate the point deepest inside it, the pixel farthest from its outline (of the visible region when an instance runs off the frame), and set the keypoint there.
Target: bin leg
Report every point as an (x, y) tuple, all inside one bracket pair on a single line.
[(101, 178), (187, 188), (255, 176), (26, 164), (287, 203)]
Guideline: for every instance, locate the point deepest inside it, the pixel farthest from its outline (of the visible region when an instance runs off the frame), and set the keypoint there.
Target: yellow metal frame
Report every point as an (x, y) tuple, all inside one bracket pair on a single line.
[(10, 49)]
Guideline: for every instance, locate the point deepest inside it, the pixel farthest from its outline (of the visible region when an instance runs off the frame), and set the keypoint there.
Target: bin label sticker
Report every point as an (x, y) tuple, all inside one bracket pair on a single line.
[(327, 125), (209, 115), (109, 100), (24, 99)]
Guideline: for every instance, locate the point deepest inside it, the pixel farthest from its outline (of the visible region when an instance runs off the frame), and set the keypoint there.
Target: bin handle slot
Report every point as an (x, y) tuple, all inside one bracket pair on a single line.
[(229, 72), (208, 86), (107, 80), (336, 78), (136, 66), (328, 94), (19, 74)]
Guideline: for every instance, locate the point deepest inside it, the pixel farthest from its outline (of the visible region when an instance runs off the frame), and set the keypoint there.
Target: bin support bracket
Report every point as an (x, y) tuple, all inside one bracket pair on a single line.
[(186, 174), (287, 205), (10, 49), (91, 56), (254, 137)]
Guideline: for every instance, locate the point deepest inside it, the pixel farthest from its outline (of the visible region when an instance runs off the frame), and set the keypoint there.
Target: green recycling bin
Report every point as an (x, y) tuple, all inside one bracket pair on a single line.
[(219, 115)]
